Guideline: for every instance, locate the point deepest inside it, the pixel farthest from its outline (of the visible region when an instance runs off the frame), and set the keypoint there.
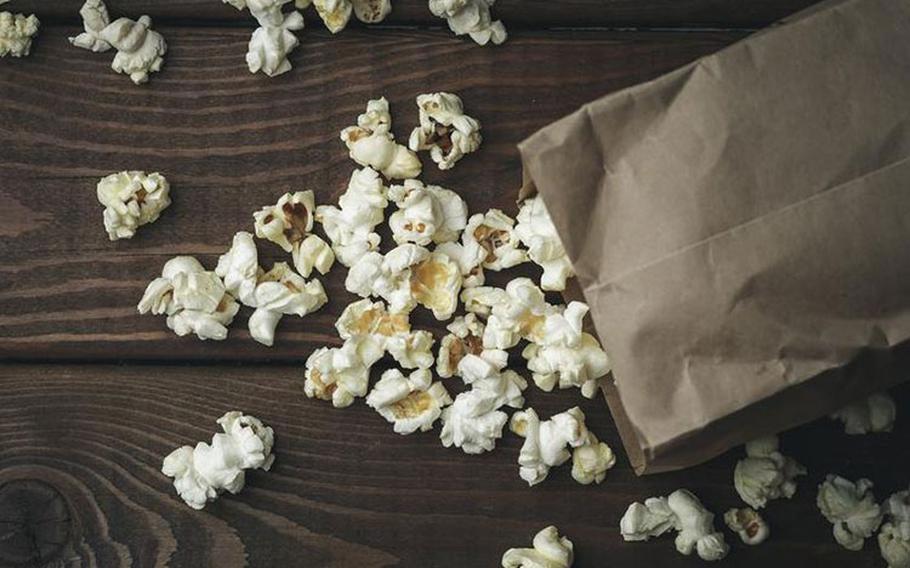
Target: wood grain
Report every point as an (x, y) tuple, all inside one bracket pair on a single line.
[(231, 142), (515, 13), (347, 491)]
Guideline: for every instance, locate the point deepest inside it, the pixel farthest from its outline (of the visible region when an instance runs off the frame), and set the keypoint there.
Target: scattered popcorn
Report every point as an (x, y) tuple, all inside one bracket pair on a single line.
[(426, 213), (280, 292), (16, 33), (313, 252), (239, 268), (202, 473), (874, 414), (650, 519), (132, 199), (371, 143), (94, 19), (520, 314), (748, 524), (851, 508), (365, 318), (894, 537), (470, 17), (481, 299), (341, 374), (545, 442), (287, 222), (274, 39), (565, 355), (194, 300), (492, 232), (412, 350), (465, 337), (468, 261), (435, 283), (336, 13), (681, 511), (445, 130), (535, 229), (550, 551), (140, 50), (765, 474), (486, 372), (410, 403), (591, 460), (350, 228)]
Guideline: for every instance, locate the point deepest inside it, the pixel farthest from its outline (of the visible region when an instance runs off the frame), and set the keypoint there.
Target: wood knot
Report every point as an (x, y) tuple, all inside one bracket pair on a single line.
[(35, 523)]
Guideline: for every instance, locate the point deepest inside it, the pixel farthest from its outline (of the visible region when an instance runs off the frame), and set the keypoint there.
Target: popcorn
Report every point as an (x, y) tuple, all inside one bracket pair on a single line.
[(487, 373), (94, 19), (874, 414), (140, 50), (341, 374), (650, 519), (591, 460), (520, 314), (445, 130), (287, 222), (480, 300), (202, 473), (535, 229), (271, 43), (313, 252), (465, 337), (239, 268), (851, 508), (545, 442), (470, 17), (550, 551), (765, 473), (16, 32), (370, 319), (894, 538), (493, 233), (372, 11), (350, 228), (194, 299), (410, 403), (371, 143), (412, 350), (468, 262), (427, 213), (337, 13), (281, 292), (748, 524), (435, 283), (565, 355), (132, 199)]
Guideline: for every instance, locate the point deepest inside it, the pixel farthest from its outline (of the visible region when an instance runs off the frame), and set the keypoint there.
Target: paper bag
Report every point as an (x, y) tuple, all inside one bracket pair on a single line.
[(741, 230)]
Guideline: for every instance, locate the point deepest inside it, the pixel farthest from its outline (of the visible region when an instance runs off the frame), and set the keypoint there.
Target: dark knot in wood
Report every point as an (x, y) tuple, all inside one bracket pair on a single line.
[(35, 523)]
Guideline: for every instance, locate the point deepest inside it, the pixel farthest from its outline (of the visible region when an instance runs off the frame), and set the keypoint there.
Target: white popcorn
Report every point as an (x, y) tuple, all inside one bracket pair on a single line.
[(851, 508), (493, 234), (481, 299), (94, 19), (194, 299), (280, 292), (341, 374), (412, 350), (132, 199), (274, 39), (239, 268), (337, 13), (765, 474), (550, 551), (473, 422), (435, 283), (468, 260), (140, 50), (426, 213), (894, 537), (643, 521), (520, 314), (487, 373), (470, 17), (565, 355), (287, 222), (16, 33), (465, 337), (545, 442), (445, 130), (202, 473), (313, 252), (748, 524), (365, 318), (371, 143), (410, 403), (591, 460), (535, 229), (873, 414), (350, 227), (681, 511)]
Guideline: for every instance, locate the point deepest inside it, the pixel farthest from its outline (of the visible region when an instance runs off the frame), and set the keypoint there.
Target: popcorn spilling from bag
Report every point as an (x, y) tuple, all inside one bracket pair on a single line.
[(873, 414)]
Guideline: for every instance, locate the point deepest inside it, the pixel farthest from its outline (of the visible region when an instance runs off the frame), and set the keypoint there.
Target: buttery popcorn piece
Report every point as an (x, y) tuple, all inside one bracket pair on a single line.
[(16, 33), (894, 537), (851, 508), (287, 222), (519, 314), (535, 229), (336, 13), (313, 252), (132, 199), (683, 512), (371, 143), (140, 49), (445, 130), (350, 227), (493, 233), (239, 269), (873, 414), (194, 300), (202, 473), (94, 19), (481, 299), (748, 524), (370, 319), (426, 213), (341, 374), (550, 551), (765, 474), (470, 17), (565, 355), (274, 39), (410, 403), (545, 442), (591, 460), (280, 292), (465, 337), (468, 260), (412, 350)]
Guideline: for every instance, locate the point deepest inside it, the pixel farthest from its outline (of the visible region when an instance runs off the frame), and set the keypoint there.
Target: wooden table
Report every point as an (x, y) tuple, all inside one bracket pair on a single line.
[(93, 395)]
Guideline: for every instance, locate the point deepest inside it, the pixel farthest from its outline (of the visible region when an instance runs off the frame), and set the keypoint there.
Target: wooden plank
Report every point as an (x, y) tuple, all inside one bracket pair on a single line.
[(515, 13), (347, 491), (231, 142)]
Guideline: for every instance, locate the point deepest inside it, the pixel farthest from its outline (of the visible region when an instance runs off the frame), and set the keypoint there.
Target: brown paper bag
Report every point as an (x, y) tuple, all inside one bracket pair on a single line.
[(741, 230)]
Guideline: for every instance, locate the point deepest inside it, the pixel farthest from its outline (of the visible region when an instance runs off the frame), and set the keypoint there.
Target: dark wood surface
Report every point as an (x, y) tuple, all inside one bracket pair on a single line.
[(83, 439)]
